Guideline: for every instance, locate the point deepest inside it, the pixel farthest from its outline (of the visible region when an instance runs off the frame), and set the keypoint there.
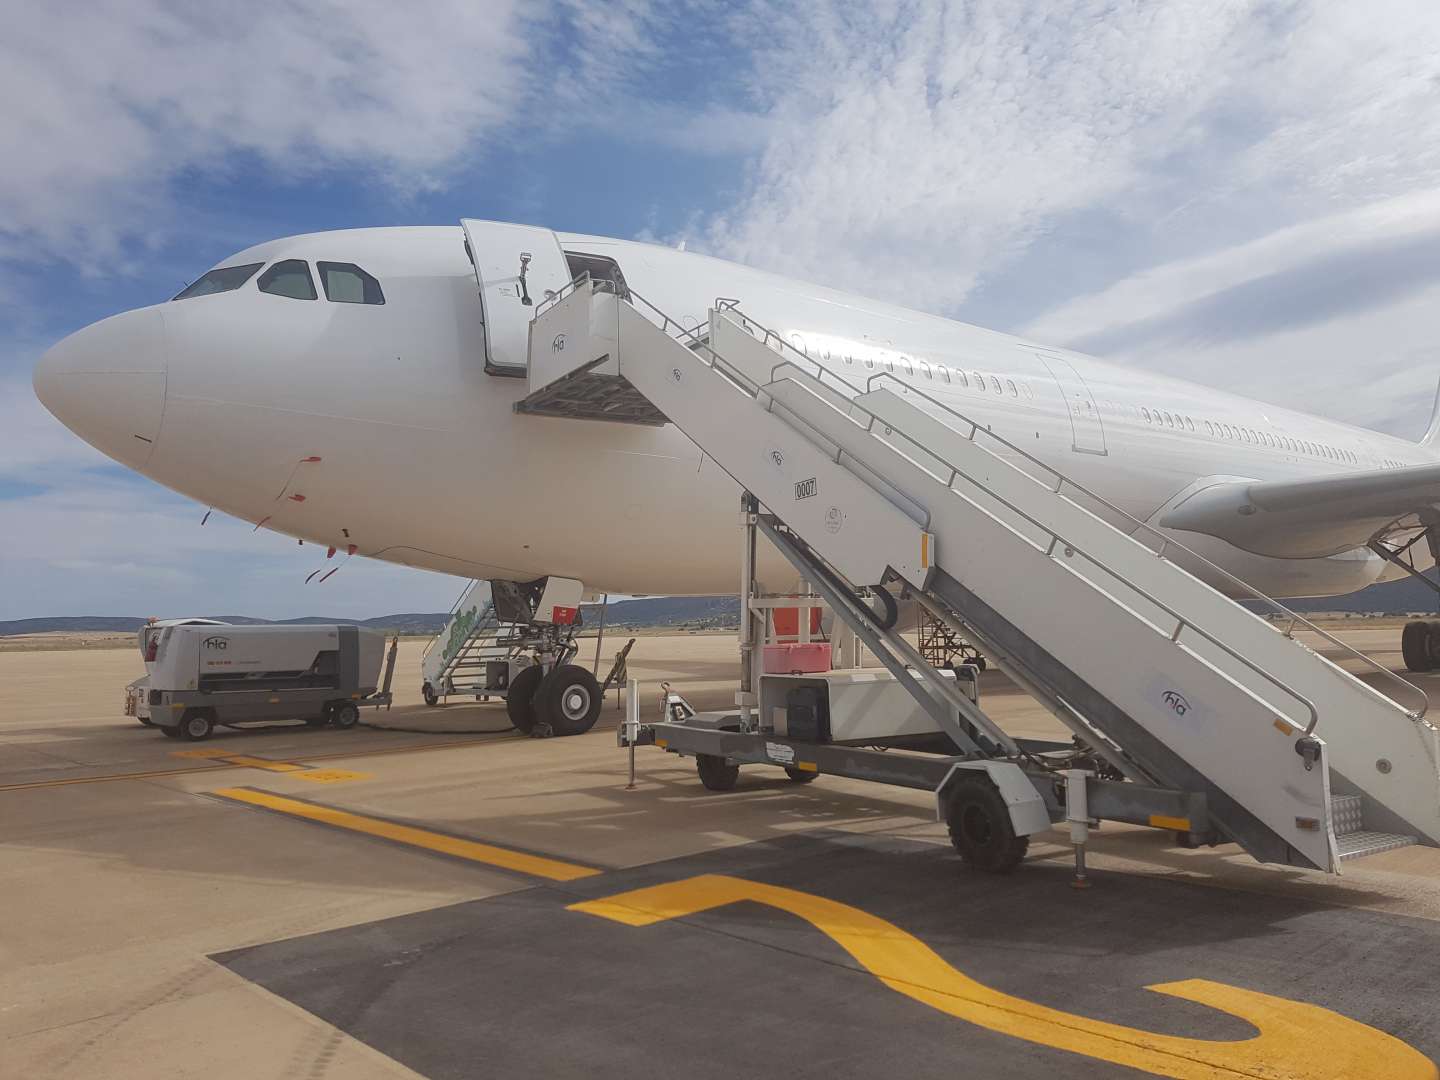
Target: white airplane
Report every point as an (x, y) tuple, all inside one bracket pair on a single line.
[(351, 389)]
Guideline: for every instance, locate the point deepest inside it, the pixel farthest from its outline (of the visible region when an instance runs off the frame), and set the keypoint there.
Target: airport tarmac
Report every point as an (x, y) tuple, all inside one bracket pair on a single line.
[(443, 900)]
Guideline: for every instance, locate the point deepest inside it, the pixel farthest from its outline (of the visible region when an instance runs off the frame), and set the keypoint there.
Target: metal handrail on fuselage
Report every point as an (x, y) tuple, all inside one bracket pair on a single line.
[(1061, 481)]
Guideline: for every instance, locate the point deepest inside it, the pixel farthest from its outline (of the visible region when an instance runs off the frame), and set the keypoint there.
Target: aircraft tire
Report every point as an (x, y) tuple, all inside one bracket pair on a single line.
[(980, 827), (716, 773), (569, 700), (1416, 647), (520, 699)]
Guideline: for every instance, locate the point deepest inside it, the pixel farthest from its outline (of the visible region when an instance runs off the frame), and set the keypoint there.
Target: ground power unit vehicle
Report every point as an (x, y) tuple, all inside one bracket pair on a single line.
[(202, 677), (137, 694)]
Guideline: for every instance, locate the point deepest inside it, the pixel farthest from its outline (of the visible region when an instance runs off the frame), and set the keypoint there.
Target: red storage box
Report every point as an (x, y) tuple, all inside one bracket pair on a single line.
[(796, 658)]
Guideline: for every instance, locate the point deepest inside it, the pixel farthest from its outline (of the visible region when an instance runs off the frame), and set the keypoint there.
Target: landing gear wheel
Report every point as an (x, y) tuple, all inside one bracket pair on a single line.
[(569, 700), (716, 773), (196, 725), (980, 827), (344, 715), (428, 693), (1415, 647), (520, 699), (800, 776)]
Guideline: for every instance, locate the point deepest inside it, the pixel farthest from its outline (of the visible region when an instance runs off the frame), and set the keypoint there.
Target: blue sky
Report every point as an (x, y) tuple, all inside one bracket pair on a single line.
[(1242, 192)]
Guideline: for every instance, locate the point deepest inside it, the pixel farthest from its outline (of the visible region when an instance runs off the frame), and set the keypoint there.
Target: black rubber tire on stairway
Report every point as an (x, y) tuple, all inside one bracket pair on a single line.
[(428, 693), (800, 776), (980, 827), (715, 772), (520, 699)]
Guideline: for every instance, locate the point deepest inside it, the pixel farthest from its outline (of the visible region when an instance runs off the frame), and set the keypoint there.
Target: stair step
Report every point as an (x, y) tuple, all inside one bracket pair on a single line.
[(1347, 813), (1357, 845)]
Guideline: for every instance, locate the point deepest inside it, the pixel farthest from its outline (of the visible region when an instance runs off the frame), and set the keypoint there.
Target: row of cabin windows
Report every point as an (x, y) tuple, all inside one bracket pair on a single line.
[(344, 283), (973, 380), (1236, 433)]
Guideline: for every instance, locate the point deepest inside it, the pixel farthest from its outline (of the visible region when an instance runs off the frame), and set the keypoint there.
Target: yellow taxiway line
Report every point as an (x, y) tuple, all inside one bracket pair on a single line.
[(239, 761), (1295, 1040), (412, 836)]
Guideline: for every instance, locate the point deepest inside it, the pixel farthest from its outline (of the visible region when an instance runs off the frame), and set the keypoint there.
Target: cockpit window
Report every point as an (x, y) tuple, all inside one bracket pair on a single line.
[(291, 278), (222, 279), (346, 283)]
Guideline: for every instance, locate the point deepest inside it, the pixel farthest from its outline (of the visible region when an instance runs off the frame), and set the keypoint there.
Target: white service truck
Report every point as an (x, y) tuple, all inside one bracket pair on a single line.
[(137, 694), (203, 676)]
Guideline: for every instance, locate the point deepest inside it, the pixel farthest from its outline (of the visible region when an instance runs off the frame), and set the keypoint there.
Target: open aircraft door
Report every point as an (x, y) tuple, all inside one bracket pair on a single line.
[(515, 265), (1087, 429)]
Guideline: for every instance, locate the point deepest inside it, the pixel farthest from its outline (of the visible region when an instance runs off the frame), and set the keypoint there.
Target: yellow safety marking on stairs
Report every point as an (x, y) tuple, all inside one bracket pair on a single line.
[(1179, 824), (332, 776), (1295, 1041), (473, 850)]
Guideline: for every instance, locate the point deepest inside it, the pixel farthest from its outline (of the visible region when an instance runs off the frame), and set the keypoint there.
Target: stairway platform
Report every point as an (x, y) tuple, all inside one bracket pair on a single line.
[(1357, 845), (590, 395)]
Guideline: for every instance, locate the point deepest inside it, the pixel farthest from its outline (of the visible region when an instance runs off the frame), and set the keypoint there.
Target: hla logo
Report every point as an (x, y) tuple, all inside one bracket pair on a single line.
[(218, 643), (1176, 700), (558, 345)]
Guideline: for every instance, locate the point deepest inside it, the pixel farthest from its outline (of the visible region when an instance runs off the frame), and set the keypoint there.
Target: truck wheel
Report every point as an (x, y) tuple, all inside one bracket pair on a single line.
[(520, 698), (428, 693), (568, 700), (980, 827), (1415, 646), (196, 724), (800, 776), (345, 715), (716, 773)]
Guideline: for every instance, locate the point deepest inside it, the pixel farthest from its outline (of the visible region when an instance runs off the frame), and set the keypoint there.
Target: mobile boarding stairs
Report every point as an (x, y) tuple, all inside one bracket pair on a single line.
[(1189, 711)]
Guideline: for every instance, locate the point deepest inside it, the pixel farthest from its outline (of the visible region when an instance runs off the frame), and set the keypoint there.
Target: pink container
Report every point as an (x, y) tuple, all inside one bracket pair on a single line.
[(796, 658)]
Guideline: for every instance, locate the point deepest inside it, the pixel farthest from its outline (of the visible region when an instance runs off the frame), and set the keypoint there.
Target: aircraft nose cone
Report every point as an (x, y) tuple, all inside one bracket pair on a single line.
[(106, 383)]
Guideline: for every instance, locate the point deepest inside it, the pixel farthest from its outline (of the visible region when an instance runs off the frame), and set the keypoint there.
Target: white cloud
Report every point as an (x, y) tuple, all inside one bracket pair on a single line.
[(1167, 289), (36, 445), (106, 102), (918, 150)]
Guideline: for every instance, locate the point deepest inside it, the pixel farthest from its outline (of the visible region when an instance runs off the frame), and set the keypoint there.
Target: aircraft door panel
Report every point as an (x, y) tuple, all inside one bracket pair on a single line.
[(508, 296), (1087, 428)]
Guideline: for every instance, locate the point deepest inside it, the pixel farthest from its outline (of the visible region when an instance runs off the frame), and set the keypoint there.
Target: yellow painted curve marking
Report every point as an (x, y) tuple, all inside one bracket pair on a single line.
[(1295, 1041), (473, 850)]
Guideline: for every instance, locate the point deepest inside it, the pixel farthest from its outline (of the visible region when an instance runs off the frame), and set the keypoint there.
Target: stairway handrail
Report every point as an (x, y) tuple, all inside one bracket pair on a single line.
[(1061, 482), (470, 584)]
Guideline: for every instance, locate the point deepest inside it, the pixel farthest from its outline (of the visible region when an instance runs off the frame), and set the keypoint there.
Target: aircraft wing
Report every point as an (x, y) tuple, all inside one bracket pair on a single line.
[(1313, 518)]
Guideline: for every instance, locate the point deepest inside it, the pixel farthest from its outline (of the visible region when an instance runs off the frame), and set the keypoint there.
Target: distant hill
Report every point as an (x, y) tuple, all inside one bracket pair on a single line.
[(694, 612), (691, 612), (404, 624)]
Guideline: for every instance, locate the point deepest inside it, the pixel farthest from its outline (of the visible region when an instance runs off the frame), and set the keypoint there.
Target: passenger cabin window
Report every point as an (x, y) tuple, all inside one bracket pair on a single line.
[(222, 279), (346, 283), (291, 278), (600, 268)]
